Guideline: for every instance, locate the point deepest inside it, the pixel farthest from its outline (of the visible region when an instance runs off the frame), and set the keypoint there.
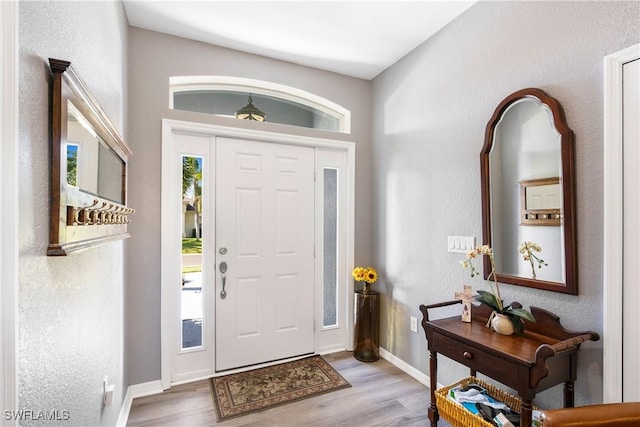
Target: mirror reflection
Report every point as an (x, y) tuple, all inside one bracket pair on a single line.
[(91, 165), (541, 201), (527, 193), (526, 147)]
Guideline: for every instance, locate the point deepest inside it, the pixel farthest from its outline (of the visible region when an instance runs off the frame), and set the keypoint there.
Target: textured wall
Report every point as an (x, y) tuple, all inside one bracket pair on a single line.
[(429, 115), (70, 308), (154, 58)]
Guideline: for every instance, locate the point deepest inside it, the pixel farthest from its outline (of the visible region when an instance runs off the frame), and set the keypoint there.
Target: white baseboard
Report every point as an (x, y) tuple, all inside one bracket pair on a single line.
[(405, 367), (133, 391), (123, 417), (146, 389)]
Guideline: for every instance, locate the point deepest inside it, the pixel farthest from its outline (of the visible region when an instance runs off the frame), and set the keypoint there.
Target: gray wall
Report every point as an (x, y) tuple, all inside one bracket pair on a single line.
[(429, 114), (153, 58), (70, 308)]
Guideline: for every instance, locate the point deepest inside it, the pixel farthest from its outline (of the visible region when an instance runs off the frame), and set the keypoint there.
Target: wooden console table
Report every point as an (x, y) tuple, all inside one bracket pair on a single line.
[(546, 355)]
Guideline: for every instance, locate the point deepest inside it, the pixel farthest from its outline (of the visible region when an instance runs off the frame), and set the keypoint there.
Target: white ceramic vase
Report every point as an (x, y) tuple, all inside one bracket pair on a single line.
[(502, 324)]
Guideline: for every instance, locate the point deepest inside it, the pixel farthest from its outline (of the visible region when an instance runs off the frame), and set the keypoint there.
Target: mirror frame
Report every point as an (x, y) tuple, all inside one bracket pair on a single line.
[(570, 285), (79, 219)]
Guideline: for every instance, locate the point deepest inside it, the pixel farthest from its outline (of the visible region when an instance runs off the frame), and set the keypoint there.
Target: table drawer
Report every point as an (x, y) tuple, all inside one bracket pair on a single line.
[(481, 361)]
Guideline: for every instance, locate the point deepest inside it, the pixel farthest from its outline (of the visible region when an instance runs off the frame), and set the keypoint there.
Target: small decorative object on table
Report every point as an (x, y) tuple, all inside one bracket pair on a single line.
[(501, 313), (367, 313), (466, 296)]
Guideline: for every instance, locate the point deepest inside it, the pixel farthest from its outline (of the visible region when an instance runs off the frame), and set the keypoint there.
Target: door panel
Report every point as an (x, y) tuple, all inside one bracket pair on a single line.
[(265, 220)]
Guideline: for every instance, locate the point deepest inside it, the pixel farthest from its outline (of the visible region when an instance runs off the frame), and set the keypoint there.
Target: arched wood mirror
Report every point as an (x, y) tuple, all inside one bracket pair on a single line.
[(527, 174)]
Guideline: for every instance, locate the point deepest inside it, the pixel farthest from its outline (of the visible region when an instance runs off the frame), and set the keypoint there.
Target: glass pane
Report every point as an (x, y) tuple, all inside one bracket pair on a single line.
[(330, 256), (91, 165), (72, 164), (278, 110), (110, 172), (191, 294)]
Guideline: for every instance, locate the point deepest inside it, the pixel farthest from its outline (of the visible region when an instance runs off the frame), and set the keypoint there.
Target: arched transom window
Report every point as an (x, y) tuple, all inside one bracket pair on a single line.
[(225, 96)]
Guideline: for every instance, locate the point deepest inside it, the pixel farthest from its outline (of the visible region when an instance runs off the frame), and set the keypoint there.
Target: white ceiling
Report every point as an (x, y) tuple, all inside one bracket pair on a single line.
[(356, 38)]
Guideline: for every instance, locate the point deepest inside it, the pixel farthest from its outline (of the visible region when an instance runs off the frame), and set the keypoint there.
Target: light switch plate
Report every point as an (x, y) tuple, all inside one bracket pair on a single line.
[(460, 244)]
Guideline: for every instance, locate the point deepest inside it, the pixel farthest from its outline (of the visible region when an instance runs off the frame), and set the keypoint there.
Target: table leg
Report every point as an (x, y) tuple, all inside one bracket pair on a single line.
[(433, 372), (568, 394), (525, 412)]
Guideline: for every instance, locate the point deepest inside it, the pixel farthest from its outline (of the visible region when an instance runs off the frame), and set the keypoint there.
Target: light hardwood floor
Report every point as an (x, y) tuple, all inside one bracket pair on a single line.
[(380, 395)]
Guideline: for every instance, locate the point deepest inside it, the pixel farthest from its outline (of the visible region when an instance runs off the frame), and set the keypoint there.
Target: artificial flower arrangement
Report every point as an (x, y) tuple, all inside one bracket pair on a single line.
[(493, 299), (366, 275)]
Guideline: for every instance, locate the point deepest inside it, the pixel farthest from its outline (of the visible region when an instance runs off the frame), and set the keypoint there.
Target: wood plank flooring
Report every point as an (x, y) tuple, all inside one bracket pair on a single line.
[(380, 395)]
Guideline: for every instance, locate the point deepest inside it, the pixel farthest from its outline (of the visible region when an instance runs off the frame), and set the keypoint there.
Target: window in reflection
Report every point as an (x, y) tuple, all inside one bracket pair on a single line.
[(72, 164)]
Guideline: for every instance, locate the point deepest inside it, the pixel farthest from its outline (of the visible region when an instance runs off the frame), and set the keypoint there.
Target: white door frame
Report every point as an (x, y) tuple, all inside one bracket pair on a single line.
[(8, 210), (169, 127), (613, 233)]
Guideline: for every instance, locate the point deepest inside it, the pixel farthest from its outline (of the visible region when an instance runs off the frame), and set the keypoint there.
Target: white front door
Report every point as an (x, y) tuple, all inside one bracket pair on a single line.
[(284, 296), (265, 246)]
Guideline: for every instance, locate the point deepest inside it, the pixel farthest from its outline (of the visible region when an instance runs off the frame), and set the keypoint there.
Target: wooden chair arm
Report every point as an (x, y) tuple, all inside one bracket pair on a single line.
[(612, 414)]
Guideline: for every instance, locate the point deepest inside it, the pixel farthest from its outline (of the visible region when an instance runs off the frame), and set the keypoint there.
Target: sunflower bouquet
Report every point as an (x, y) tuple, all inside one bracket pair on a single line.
[(366, 275)]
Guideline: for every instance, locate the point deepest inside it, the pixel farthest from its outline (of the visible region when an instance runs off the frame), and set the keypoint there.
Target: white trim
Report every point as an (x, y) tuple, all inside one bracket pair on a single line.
[(134, 391), (405, 367), (8, 210), (262, 87), (169, 127), (336, 336), (613, 233), (125, 409), (145, 389), (166, 314), (331, 350)]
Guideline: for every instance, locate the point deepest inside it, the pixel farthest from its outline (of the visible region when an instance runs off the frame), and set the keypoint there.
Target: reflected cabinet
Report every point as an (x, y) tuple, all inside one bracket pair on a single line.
[(88, 168)]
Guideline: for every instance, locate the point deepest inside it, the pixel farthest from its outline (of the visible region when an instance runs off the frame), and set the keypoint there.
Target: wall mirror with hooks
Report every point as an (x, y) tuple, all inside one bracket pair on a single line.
[(88, 168)]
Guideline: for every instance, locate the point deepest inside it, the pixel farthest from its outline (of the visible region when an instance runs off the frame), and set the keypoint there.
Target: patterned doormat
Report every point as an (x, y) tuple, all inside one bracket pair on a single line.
[(240, 394)]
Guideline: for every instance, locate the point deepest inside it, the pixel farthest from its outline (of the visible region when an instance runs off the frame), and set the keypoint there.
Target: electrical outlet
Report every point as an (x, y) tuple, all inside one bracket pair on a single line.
[(107, 391), (414, 324)]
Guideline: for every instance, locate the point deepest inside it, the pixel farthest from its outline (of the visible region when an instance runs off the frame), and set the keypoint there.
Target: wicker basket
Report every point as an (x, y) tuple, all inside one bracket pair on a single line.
[(458, 416)]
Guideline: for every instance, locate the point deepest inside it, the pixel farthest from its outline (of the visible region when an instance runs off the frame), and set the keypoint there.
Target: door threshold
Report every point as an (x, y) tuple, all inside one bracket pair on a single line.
[(261, 365)]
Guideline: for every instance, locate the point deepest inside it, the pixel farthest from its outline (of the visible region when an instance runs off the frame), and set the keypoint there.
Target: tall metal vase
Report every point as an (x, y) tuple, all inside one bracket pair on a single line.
[(366, 332)]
